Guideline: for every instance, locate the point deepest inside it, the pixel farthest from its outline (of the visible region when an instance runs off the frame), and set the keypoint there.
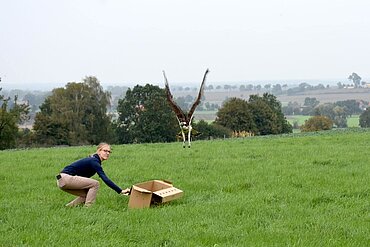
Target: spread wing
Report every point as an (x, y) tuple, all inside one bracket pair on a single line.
[(178, 111), (200, 94)]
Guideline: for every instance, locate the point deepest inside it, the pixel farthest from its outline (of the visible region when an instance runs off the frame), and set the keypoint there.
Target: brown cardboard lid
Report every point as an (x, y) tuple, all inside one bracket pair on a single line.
[(141, 189)]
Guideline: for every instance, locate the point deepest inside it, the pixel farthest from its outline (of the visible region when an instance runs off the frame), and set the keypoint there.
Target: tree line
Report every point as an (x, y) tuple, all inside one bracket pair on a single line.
[(337, 112), (35, 98), (354, 79), (78, 114)]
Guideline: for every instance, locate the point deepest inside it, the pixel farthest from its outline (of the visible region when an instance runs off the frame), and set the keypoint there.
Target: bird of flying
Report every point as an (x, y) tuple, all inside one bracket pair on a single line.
[(185, 119)]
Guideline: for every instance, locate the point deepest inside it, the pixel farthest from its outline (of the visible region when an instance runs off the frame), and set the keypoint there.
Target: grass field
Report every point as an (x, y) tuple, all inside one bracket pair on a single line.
[(300, 119), (210, 116), (352, 122), (291, 190)]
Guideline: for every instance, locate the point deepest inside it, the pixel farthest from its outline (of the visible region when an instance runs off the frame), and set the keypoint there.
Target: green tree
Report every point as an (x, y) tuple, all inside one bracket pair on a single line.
[(75, 115), (293, 108), (10, 117), (304, 86), (236, 115), (211, 131), (317, 123), (350, 106), (260, 115), (96, 119), (336, 113), (145, 116), (340, 117), (355, 78), (35, 99), (364, 119), (267, 87), (311, 102), (268, 115), (277, 89), (309, 106)]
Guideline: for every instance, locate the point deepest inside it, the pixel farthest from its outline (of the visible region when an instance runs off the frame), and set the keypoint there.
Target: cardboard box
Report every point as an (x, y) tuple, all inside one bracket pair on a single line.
[(152, 192)]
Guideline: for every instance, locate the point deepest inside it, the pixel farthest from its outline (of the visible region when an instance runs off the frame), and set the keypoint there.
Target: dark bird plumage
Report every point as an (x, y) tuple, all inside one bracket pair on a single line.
[(183, 118)]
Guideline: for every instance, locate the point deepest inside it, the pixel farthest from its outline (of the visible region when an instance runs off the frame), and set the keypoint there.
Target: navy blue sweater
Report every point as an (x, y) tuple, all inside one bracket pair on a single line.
[(87, 167)]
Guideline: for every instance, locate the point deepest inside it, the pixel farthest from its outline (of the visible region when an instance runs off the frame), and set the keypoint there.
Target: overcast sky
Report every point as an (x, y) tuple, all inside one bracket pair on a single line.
[(129, 42)]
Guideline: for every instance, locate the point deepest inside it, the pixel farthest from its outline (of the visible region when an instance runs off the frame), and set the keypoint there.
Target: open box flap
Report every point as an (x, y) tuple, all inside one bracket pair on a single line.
[(167, 192), (141, 190)]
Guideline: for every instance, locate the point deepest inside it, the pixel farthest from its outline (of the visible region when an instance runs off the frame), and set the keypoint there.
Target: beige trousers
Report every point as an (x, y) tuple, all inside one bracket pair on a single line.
[(84, 188)]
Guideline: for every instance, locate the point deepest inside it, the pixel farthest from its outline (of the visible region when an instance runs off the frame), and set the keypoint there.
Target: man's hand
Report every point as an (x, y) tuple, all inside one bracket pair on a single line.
[(125, 192)]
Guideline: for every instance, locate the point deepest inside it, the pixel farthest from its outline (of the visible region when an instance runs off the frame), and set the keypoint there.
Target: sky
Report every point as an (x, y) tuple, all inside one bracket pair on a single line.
[(128, 42)]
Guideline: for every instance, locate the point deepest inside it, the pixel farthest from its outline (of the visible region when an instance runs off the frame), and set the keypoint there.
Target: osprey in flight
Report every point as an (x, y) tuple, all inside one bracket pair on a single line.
[(183, 118)]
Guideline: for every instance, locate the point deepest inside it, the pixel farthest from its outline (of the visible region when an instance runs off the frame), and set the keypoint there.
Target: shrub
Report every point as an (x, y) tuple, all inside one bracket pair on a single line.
[(317, 123)]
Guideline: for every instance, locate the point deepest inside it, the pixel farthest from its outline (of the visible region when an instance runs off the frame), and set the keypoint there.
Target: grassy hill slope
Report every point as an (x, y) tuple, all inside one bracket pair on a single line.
[(293, 190)]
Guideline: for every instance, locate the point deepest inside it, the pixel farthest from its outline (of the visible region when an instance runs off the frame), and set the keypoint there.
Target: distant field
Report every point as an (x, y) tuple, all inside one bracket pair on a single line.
[(351, 121), (328, 95), (324, 96), (290, 190), (210, 116)]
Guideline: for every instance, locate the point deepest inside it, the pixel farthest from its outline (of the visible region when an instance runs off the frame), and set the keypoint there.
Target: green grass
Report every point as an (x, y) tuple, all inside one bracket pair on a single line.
[(292, 190), (352, 121), (297, 118)]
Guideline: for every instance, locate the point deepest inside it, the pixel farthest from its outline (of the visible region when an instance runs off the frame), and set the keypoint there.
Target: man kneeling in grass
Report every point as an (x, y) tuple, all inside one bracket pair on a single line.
[(75, 178)]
